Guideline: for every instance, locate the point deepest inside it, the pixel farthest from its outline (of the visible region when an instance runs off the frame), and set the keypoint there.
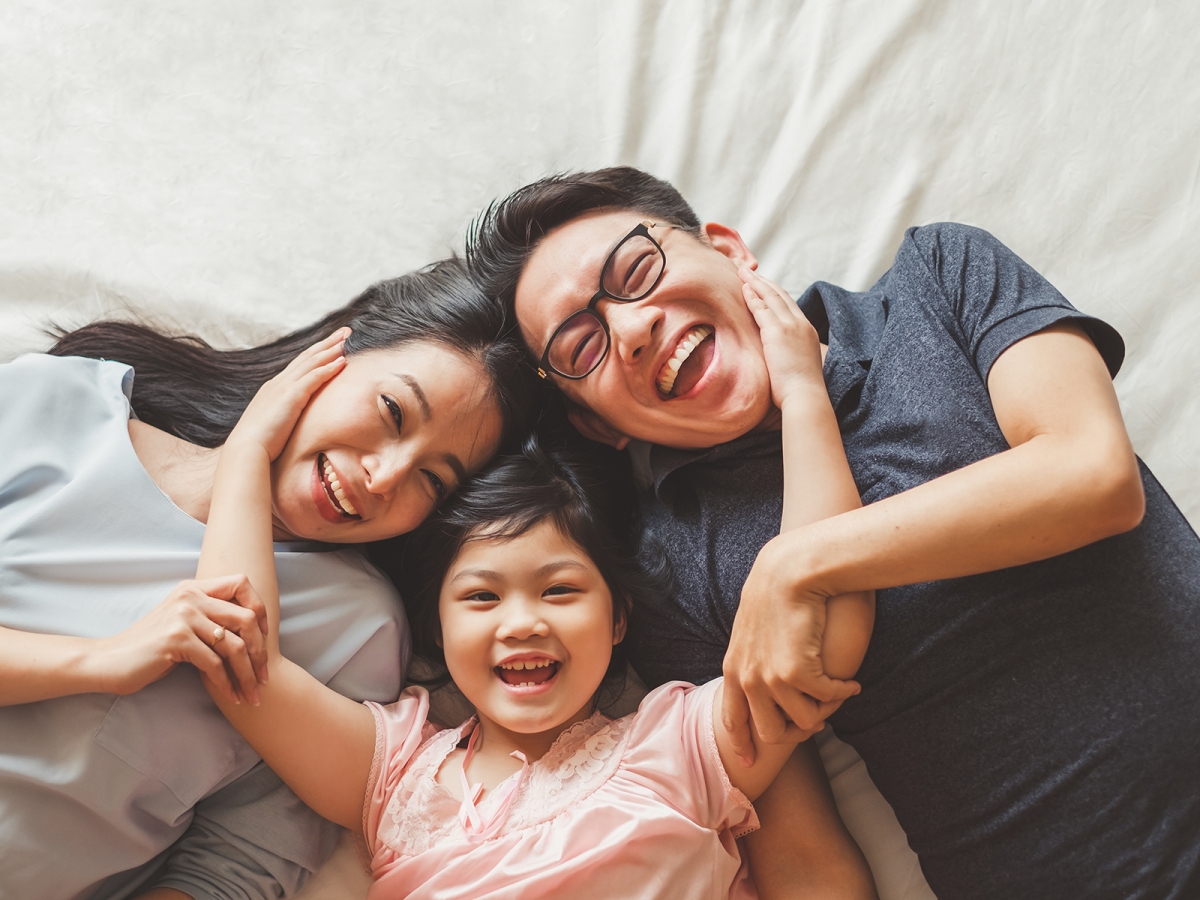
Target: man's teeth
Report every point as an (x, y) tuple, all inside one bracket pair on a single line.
[(334, 485), (670, 371)]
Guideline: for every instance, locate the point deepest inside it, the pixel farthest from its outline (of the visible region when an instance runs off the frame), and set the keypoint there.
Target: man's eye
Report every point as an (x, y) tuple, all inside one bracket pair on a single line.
[(638, 272), (585, 352), (394, 408)]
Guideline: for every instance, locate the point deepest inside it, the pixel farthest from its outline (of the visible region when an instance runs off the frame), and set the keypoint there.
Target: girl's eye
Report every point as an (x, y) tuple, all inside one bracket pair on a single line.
[(394, 408), (439, 486), (561, 589), (483, 597)]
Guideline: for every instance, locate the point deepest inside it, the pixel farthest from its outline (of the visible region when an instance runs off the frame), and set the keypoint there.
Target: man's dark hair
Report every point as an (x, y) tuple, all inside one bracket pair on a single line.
[(501, 240)]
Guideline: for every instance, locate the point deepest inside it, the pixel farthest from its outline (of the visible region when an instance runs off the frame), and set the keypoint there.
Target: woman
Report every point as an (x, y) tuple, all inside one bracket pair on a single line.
[(117, 774)]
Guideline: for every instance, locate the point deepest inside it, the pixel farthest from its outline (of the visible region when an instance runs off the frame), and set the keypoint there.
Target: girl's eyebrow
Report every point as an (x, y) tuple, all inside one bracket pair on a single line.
[(555, 565)]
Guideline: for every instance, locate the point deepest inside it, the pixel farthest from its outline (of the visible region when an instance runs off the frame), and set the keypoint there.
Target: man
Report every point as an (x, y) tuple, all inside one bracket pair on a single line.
[(1030, 696)]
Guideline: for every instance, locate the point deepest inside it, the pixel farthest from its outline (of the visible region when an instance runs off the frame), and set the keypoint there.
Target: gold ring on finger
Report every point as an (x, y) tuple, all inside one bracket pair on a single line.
[(218, 634)]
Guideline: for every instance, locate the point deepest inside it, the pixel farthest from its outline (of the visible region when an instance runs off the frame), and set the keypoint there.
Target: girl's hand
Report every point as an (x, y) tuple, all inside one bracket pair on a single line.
[(790, 343), (272, 414), (217, 625)]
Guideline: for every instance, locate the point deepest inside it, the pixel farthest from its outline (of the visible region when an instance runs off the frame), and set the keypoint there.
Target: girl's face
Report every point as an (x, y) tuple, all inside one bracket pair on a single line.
[(527, 629), (381, 443)]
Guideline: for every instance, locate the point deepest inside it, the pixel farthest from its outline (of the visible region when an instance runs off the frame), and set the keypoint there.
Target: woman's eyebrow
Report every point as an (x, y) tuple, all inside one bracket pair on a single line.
[(422, 401)]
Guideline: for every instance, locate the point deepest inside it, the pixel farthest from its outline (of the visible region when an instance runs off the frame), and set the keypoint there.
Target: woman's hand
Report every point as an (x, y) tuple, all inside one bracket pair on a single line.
[(217, 625), (272, 415), (790, 343)]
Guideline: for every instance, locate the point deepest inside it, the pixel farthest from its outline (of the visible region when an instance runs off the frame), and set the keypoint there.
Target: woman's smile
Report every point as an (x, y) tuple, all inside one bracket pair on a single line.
[(381, 444)]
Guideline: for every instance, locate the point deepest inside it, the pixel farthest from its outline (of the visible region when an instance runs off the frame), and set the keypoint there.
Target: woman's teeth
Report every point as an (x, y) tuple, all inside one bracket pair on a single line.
[(670, 369), (335, 488), (540, 671)]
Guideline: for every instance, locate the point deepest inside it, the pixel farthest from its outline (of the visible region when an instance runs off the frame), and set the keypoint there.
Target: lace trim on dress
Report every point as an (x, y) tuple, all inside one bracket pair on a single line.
[(421, 813)]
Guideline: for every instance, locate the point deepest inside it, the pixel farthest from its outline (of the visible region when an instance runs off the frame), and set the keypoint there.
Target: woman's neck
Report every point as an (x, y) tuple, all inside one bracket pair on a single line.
[(182, 470)]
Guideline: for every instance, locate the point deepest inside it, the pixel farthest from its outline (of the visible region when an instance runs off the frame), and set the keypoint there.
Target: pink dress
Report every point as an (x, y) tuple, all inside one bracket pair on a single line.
[(632, 808)]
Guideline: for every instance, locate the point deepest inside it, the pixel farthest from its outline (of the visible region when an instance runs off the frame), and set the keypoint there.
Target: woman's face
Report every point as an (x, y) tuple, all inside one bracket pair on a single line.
[(527, 629), (381, 443)]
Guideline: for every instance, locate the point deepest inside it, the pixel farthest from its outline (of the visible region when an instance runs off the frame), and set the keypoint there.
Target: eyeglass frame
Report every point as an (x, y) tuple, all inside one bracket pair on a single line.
[(642, 229)]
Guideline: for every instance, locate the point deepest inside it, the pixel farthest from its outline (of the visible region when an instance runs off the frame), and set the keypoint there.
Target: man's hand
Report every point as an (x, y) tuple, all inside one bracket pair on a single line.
[(774, 672)]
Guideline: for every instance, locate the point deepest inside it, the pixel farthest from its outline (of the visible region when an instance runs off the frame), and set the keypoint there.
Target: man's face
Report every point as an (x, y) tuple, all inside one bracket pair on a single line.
[(722, 389)]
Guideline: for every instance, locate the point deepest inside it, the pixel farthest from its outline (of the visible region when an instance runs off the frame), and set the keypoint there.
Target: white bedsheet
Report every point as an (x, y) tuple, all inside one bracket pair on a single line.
[(237, 168)]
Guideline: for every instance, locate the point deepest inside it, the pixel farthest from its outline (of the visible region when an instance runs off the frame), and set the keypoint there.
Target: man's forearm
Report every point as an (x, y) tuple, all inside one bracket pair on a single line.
[(1029, 503)]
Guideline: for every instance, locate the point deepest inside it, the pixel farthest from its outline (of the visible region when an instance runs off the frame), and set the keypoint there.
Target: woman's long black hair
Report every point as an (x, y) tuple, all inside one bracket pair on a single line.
[(572, 487), (195, 392)]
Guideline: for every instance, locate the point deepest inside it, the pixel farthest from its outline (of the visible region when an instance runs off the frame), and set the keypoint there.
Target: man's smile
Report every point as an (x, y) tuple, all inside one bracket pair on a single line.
[(684, 362)]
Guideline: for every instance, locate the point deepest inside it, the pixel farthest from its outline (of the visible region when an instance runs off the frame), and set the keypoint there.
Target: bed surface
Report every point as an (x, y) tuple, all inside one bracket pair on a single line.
[(238, 169)]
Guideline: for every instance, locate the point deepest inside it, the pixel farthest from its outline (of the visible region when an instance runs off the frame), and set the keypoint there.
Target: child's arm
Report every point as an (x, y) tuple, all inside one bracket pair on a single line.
[(817, 485), (802, 849), (319, 742)]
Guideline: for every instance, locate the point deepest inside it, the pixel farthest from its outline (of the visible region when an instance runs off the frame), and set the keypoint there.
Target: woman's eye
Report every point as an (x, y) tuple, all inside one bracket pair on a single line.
[(394, 408), (439, 486)]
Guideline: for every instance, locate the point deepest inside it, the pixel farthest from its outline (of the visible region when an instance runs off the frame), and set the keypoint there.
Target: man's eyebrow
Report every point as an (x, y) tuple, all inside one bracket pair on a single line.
[(422, 400)]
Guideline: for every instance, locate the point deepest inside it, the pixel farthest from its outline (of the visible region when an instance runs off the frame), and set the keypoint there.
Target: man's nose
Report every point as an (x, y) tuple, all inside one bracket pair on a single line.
[(632, 327)]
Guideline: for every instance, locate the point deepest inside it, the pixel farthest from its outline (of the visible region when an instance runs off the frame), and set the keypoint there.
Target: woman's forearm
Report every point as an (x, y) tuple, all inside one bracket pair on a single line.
[(43, 666), (238, 539)]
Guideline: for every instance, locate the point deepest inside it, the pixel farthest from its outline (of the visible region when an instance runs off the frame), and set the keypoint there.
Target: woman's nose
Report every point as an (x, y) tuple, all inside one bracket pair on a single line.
[(632, 327), (386, 471)]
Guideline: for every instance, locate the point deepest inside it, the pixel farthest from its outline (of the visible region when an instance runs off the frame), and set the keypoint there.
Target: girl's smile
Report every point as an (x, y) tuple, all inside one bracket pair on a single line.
[(528, 630)]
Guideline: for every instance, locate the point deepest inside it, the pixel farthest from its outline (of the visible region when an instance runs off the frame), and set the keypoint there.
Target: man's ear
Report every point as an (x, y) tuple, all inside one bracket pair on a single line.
[(727, 241), (594, 428)]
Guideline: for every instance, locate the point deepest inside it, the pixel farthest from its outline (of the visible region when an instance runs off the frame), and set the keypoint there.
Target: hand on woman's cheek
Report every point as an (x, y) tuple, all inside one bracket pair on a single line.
[(379, 445)]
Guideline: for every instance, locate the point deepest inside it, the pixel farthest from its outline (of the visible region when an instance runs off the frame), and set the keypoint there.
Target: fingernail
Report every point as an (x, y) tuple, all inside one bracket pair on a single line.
[(237, 701), (745, 761)]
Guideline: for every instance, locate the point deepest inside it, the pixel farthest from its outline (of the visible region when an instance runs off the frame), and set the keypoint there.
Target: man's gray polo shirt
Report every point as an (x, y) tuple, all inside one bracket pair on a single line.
[(1036, 729)]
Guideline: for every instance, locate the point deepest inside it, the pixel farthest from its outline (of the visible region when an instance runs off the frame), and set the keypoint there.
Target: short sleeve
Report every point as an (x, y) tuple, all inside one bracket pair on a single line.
[(672, 747), (995, 296), (400, 729)]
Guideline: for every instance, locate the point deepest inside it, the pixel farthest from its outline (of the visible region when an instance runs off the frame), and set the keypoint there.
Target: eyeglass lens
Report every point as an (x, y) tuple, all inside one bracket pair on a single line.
[(581, 341)]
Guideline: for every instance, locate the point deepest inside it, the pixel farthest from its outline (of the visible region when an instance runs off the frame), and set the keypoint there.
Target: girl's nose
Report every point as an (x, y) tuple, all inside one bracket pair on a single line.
[(521, 621)]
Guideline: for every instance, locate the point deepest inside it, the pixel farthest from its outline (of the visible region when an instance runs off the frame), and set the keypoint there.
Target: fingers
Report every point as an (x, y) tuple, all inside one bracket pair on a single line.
[(232, 602), (735, 716), (212, 667), (232, 651)]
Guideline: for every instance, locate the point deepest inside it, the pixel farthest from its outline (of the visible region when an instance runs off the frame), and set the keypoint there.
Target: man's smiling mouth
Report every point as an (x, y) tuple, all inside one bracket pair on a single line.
[(333, 490), (668, 375)]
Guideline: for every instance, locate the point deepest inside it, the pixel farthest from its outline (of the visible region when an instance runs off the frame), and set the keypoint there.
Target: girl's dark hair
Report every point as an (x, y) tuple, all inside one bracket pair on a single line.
[(572, 488), (195, 392)]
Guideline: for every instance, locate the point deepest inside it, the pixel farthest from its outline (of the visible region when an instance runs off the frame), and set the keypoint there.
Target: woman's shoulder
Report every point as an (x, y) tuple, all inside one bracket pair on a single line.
[(39, 381)]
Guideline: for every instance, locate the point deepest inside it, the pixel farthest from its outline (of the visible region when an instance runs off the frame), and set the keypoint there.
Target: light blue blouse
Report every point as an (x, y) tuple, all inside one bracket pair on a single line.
[(96, 790)]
